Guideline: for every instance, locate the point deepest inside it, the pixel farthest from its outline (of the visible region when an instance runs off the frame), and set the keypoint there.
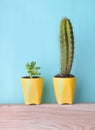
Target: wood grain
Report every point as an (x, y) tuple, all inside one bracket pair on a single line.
[(47, 117)]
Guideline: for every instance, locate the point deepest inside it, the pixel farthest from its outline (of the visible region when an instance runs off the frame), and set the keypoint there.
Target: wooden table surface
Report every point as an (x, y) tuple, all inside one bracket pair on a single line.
[(47, 117)]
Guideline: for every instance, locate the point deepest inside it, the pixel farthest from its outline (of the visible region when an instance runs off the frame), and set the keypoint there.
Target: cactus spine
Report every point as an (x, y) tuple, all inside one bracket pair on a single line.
[(66, 46)]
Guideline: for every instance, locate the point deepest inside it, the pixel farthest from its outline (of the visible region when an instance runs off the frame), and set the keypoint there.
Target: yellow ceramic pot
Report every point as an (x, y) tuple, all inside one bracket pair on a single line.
[(32, 90), (64, 90)]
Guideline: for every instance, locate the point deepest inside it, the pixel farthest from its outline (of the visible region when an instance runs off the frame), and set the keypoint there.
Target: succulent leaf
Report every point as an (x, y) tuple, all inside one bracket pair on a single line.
[(32, 69)]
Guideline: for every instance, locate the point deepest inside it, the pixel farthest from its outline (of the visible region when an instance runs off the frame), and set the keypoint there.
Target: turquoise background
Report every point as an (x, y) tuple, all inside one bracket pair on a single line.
[(29, 30)]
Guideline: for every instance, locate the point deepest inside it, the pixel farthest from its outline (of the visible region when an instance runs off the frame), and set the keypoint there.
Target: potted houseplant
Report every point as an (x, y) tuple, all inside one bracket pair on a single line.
[(64, 83), (32, 84)]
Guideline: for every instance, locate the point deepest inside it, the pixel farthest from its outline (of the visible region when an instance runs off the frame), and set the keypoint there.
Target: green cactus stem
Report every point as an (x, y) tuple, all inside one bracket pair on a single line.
[(66, 46)]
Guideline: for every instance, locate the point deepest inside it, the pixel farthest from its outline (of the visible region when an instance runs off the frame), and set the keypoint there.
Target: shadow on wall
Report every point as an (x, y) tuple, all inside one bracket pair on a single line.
[(78, 91), (48, 92)]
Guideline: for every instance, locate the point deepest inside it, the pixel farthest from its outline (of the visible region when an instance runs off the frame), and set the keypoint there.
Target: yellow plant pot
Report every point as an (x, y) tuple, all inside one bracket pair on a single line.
[(64, 90), (32, 90)]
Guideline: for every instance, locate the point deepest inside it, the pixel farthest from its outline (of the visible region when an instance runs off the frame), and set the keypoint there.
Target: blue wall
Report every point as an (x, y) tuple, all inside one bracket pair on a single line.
[(29, 30)]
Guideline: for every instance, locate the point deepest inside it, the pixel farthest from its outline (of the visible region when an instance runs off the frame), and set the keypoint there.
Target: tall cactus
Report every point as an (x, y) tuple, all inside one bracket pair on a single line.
[(66, 46)]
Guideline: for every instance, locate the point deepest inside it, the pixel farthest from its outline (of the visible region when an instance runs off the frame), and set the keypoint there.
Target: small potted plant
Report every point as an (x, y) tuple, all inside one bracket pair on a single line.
[(64, 83), (32, 85)]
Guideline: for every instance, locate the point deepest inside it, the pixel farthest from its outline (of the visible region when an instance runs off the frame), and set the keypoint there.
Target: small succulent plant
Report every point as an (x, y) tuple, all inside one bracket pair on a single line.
[(66, 47), (32, 69)]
